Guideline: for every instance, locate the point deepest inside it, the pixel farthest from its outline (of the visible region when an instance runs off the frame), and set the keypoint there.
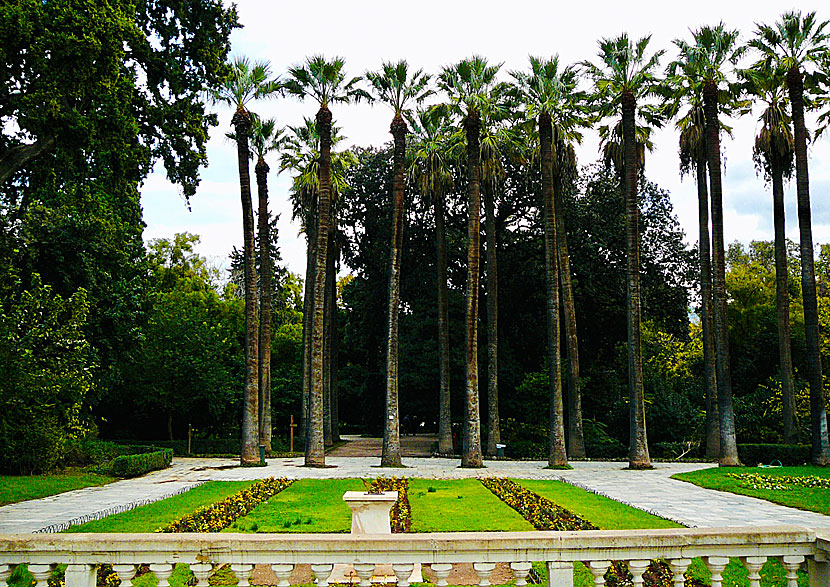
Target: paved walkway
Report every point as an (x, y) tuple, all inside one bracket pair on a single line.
[(651, 490)]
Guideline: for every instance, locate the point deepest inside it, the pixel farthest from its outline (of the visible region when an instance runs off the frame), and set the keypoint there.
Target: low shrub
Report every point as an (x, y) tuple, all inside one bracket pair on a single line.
[(400, 516), (786, 454), (134, 465), (217, 517)]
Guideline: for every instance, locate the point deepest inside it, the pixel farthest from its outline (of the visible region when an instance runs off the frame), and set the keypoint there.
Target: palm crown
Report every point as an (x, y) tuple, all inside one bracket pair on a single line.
[(794, 41), (247, 80), (323, 80), (469, 83), (394, 85), (433, 150)]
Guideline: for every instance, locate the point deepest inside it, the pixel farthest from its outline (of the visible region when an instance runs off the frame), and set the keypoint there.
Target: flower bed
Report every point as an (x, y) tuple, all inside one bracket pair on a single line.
[(400, 516), (217, 517), (780, 482)]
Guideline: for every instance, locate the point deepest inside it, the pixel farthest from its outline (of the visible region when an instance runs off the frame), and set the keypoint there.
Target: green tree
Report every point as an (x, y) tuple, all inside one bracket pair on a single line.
[(247, 81), (798, 43), (324, 81), (624, 77), (396, 86), (432, 156), (550, 96), (773, 154), (469, 85)]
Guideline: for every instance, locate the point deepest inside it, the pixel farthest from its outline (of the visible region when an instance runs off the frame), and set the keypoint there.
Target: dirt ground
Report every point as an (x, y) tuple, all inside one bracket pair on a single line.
[(419, 445)]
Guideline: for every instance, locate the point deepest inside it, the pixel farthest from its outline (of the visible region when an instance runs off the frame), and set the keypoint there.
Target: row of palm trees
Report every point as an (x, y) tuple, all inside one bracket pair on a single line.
[(486, 119)]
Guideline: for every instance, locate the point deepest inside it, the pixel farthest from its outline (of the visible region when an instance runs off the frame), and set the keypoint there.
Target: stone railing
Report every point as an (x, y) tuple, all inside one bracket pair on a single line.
[(205, 553)]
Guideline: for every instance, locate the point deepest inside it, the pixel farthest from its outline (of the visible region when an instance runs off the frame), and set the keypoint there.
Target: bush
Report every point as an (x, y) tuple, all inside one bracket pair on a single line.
[(137, 464), (787, 454), (83, 452), (599, 444)]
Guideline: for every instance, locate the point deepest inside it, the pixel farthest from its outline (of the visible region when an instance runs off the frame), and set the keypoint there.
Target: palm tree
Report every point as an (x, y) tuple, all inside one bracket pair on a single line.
[(624, 77), (797, 44), (247, 81), (394, 85), (324, 81), (265, 138), (469, 84), (714, 49), (774, 154), (683, 87), (430, 170), (551, 97)]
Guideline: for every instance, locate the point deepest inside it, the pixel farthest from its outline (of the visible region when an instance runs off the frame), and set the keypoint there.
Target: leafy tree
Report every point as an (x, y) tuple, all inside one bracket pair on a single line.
[(247, 81), (798, 43), (324, 81), (396, 86), (469, 85), (626, 74)]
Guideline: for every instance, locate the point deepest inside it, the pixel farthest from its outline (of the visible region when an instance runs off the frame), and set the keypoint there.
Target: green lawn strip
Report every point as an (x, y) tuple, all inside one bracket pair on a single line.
[(308, 505), (461, 505), (602, 512), (20, 488), (150, 517), (804, 498)]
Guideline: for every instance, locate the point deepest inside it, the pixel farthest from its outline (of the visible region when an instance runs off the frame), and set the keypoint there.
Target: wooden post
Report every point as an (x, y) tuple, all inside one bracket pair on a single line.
[(291, 434), (189, 430)]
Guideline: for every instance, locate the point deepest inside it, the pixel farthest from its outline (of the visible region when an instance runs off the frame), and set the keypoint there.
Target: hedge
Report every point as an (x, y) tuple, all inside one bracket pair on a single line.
[(765, 454), (137, 464)]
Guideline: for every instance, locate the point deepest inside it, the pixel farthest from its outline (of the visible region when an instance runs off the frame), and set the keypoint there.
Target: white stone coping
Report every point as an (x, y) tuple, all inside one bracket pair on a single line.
[(455, 547), (364, 496)]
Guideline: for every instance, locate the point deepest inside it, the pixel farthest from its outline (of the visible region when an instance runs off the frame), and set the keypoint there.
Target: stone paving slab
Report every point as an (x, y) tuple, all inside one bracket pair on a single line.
[(652, 490)]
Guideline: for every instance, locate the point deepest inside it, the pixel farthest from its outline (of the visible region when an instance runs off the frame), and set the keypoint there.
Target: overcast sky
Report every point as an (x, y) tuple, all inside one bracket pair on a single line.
[(430, 34)]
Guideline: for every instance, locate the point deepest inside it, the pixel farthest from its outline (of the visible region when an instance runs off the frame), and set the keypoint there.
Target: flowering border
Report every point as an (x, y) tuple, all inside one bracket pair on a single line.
[(400, 516)]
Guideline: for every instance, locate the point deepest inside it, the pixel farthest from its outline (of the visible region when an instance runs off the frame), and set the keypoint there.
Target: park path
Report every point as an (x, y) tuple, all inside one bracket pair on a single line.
[(652, 490)]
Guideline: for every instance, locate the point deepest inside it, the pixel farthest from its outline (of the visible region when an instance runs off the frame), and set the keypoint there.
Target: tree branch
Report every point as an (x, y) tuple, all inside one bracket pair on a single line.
[(16, 157)]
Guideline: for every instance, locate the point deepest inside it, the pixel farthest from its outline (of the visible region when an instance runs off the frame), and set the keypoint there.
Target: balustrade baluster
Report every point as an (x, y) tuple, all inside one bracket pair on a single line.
[(41, 574), (163, 571), (283, 573), (321, 573), (484, 570), (716, 566), (521, 571), (6, 572), (403, 572), (243, 573), (442, 571), (637, 568), (364, 572), (202, 571), (792, 563), (753, 564), (678, 568), (598, 570), (127, 572)]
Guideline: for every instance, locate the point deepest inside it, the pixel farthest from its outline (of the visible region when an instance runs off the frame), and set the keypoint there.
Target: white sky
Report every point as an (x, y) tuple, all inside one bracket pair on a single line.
[(431, 34)]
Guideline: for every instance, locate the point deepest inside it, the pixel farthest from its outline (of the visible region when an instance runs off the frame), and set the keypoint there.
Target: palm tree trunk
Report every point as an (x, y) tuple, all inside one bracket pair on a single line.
[(493, 432), (391, 453), (327, 348), (709, 374), (264, 307), (820, 454), (250, 410), (557, 455), (782, 306), (335, 349), (728, 442), (638, 457), (576, 437), (308, 300), (444, 413), (471, 453), (315, 455)]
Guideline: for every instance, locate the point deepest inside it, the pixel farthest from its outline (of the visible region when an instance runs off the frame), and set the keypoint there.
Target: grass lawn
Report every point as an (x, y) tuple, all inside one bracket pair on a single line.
[(21, 488), (308, 505), (813, 499), (461, 505), (148, 518)]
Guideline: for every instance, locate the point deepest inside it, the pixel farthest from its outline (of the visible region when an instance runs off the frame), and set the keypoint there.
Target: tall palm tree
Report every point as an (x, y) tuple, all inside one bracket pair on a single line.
[(798, 43), (469, 84), (324, 81), (624, 77), (710, 57), (265, 138), (396, 86), (550, 96), (430, 170), (774, 156), (247, 81)]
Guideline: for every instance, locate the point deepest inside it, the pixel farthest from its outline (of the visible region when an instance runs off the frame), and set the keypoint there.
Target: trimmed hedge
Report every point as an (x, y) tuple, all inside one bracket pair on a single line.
[(137, 464), (788, 454)]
